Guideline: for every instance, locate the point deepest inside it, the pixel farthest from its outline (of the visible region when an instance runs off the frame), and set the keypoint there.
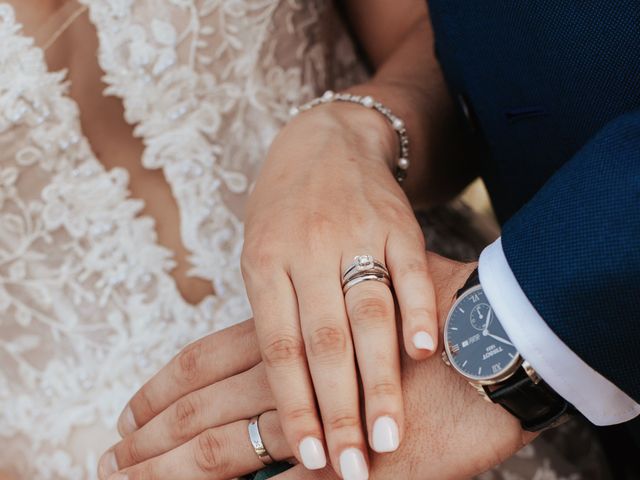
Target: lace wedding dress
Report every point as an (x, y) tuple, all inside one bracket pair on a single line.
[(88, 307)]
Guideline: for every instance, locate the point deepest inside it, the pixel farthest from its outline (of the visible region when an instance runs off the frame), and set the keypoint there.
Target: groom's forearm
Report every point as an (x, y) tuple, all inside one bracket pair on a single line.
[(408, 80)]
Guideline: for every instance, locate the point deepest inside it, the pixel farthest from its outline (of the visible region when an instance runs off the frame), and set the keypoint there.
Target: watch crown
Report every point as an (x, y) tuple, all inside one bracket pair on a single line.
[(445, 358)]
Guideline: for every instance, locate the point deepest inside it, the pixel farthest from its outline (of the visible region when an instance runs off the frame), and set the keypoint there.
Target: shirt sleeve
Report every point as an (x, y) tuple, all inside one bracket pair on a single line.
[(593, 395)]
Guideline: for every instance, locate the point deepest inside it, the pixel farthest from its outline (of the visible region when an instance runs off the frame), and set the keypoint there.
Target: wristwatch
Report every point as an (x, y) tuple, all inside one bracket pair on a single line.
[(478, 348)]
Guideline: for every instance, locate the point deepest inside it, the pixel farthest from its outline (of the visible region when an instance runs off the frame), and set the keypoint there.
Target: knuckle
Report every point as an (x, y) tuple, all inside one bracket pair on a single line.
[(421, 314), (317, 232), (142, 405), (128, 451), (401, 212), (300, 414), (318, 223), (257, 260), (143, 472), (414, 267), (416, 234), (383, 389), (371, 310), (283, 350), (209, 453), (188, 363), (185, 413), (342, 421), (328, 342)]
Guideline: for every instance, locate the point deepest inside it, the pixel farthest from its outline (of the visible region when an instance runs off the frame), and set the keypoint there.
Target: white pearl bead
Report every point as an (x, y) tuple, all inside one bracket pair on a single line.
[(328, 95), (293, 111), (403, 163), (367, 102), (398, 124)]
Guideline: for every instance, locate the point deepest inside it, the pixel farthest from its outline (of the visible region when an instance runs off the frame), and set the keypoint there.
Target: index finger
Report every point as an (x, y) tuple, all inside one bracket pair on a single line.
[(235, 350)]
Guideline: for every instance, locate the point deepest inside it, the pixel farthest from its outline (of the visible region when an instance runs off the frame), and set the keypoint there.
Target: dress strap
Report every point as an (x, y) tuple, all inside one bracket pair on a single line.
[(58, 23)]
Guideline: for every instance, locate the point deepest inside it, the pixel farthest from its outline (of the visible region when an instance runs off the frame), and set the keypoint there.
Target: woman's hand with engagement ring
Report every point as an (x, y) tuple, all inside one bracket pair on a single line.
[(326, 216)]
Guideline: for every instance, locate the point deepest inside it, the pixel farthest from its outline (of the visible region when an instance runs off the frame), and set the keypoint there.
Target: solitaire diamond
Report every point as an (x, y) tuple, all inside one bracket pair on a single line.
[(364, 262)]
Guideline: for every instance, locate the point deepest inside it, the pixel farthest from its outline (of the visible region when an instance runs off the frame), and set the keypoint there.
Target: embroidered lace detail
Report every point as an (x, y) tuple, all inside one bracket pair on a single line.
[(208, 84), (88, 309)]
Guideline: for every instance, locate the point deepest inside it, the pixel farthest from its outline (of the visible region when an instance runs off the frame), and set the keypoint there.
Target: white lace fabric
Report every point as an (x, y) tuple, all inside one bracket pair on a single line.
[(88, 307)]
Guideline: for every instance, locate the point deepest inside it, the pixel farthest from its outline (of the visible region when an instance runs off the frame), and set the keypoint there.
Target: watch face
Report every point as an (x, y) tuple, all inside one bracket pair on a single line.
[(476, 343)]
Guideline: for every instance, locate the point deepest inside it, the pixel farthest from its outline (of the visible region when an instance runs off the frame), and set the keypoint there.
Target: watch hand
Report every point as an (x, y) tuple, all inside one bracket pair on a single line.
[(486, 325), (500, 339)]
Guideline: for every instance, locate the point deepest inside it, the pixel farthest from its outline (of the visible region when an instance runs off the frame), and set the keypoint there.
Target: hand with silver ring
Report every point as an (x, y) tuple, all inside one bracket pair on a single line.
[(209, 415), (331, 241), (194, 420)]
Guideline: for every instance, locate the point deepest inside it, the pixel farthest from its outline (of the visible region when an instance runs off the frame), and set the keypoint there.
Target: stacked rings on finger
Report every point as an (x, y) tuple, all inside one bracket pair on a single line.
[(364, 268), (257, 443)]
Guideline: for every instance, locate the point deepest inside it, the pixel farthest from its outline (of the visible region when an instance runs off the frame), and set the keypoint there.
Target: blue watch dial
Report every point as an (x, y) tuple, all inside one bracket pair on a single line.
[(476, 344)]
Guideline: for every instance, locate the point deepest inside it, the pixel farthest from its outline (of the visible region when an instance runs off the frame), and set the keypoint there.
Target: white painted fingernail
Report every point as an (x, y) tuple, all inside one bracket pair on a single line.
[(312, 453), (119, 476), (353, 465), (107, 465), (126, 422), (423, 341), (386, 437)]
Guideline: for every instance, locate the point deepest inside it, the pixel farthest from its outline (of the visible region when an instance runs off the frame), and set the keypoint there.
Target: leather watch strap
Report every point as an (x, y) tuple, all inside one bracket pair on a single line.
[(536, 405), (472, 281)]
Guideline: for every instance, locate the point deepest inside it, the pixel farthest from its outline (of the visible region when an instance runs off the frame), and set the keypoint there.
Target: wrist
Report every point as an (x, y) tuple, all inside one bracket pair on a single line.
[(357, 125)]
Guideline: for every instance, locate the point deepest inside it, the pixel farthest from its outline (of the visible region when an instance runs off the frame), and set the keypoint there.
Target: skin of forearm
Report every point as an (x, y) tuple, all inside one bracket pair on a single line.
[(410, 82)]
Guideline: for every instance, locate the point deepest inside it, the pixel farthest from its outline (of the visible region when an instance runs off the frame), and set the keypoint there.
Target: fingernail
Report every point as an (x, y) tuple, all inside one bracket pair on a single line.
[(107, 465), (385, 435), (312, 453), (353, 466), (423, 341), (118, 476), (126, 422)]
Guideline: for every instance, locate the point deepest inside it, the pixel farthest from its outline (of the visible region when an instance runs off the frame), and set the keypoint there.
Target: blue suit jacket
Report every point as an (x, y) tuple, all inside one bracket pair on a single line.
[(553, 91)]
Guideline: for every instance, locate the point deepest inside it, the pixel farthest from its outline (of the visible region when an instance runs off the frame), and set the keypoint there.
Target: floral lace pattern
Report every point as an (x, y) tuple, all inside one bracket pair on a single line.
[(88, 309)]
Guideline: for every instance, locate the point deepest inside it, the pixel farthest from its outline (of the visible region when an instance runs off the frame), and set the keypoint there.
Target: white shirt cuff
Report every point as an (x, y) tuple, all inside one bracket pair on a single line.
[(598, 399)]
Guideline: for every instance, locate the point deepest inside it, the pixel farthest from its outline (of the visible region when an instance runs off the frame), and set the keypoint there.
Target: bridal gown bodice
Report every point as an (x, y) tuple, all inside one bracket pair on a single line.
[(88, 306)]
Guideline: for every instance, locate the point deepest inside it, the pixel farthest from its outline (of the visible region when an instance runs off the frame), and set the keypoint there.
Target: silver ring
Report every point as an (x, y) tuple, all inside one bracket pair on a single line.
[(364, 278), (257, 443), (362, 265)]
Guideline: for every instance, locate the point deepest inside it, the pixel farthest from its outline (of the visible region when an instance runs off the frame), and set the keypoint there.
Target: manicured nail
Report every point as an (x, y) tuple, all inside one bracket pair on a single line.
[(312, 453), (423, 341), (385, 435), (107, 465), (118, 476), (352, 465), (126, 422)]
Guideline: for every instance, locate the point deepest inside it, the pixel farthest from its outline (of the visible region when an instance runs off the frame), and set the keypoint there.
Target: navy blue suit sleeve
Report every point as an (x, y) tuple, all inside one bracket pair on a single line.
[(575, 251)]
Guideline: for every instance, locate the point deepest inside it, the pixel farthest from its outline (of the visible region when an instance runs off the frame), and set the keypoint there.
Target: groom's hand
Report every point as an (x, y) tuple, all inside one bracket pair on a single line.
[(190, 420)]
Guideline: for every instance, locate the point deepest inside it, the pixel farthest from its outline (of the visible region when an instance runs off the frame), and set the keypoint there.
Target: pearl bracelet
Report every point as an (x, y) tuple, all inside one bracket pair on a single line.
[(398, 125)]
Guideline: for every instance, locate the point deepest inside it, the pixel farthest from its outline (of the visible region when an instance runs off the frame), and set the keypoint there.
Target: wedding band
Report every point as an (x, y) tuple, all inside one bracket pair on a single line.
[(365, 278), (257, 443)]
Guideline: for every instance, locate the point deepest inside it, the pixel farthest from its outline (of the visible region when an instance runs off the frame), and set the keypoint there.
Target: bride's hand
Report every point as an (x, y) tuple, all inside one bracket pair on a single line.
[(326, 194), (193, 415)]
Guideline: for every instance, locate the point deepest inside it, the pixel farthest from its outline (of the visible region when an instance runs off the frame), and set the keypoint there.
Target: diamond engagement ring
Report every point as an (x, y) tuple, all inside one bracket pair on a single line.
[(362, 269)]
